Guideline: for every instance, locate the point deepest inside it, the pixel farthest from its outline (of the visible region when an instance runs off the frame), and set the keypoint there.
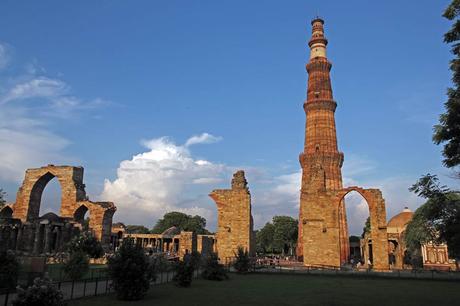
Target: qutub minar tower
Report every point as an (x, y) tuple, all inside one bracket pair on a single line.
[(321, 152)]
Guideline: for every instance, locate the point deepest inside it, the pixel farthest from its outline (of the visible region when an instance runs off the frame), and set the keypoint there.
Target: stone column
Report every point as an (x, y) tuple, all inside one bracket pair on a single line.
[(13, 237), (46, 249), (58, 238), (37, 240), (19, 238)]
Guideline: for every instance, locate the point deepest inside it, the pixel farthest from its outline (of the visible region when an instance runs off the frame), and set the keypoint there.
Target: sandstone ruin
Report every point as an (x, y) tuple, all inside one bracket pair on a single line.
[(26, 231), (234, 218)]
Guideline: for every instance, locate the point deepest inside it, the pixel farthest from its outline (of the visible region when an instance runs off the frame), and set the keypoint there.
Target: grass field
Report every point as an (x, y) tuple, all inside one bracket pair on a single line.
[(267, 289)]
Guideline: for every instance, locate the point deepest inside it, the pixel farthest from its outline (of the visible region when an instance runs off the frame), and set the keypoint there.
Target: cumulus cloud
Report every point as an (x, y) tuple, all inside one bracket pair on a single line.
[(164, 178), (279, 195)]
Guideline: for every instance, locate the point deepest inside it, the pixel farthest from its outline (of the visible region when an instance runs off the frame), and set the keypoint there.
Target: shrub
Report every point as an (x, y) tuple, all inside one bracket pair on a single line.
[(41, 293), (77, 265), (9, 268), (212, 269), (87, 243), (129, 269), (242, 262), (196, 260), (184, 273), (157, 264)]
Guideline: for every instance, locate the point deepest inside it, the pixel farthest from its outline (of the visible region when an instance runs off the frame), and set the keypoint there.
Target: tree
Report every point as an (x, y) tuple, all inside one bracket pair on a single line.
[(184, 272), (367, 227), (437, 220), (86, 243), (183, 222), (264, 238), (129, 269), (212, 269), (280, 236), (41, 293), (2, 198), (285, 233), (448, 129), (137, 229), (243, 262), (77, 265), (9, 269)]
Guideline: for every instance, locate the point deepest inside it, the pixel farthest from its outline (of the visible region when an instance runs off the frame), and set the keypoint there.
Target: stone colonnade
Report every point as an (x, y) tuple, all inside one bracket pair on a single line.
[(175, 245)]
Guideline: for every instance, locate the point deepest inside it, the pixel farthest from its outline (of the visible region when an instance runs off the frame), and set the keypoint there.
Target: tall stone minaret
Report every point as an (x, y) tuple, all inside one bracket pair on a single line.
[(321, 160)]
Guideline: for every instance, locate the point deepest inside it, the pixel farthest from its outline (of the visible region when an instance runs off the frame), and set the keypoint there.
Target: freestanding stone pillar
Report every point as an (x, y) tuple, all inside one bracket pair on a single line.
[(234, 218)]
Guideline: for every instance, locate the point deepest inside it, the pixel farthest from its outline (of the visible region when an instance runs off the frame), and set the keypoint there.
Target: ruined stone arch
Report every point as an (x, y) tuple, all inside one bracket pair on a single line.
[(74, 202), (28, 200), (377, 214)]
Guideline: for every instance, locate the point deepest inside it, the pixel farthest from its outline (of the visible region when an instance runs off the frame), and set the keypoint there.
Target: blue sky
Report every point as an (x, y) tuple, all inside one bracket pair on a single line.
[(98, 83)]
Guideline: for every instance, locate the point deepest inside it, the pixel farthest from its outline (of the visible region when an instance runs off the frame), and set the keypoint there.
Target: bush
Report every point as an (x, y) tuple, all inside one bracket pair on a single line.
[(129, 269), (196, 260), (243, 262), (212, 269), (77, 265), (184, 273), (41, 293), (9, 268), (157, 264), (87, 243)]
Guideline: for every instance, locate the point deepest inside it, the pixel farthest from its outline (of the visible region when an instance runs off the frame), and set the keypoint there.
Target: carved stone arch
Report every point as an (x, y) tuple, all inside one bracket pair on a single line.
[(377, 214), (27, 206)]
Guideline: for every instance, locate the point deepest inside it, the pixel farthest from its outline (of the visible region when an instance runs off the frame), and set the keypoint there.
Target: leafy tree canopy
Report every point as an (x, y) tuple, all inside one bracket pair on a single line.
[(2, 197), (278, 236), (448, 129), (285, 234), (129, 269), (183, 222), (86, 243), (264, 238), (438, 219), (353, 238), (367, 227), (137, 229)]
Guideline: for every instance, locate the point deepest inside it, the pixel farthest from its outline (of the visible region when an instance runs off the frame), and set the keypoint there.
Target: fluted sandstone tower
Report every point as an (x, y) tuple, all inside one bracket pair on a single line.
[(321, 160)]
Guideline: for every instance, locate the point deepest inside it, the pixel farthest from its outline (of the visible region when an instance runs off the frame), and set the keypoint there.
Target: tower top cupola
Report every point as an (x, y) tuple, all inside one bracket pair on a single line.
[(318, 41)]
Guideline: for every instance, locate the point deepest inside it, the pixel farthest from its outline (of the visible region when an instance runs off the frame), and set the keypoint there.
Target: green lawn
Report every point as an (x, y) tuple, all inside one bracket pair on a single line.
[(266, 289)]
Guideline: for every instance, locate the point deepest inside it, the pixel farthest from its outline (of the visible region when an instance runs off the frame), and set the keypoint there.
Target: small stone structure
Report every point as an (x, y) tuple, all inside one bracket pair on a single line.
[(234, 218), (434, 256), (26, 231), (174, 242)]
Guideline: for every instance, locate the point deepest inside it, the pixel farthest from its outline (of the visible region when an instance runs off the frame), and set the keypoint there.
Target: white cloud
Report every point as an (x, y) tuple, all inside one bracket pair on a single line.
[(49, 97), (166, 177), (203, 138), (29, 105), (4, 55), (40, 87), (26, 142), (280, 196)]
